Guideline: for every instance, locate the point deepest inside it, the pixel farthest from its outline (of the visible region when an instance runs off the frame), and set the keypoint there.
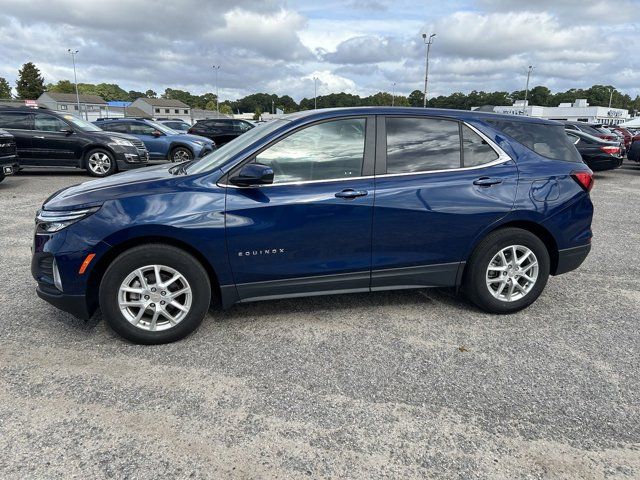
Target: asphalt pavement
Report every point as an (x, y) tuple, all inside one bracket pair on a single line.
[(402, 384)]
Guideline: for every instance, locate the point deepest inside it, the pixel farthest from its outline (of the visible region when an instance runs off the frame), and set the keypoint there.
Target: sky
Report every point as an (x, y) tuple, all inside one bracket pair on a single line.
[(355, 46)]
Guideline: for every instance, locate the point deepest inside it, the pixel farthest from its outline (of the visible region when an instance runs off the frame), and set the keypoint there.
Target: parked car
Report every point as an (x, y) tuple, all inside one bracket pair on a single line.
[(492, 204), (608, 133), (179, 126), (626, 135), (162, 142), (634, 152), (8, 156), (47, 138), (590, 128), (597, 153), (221, 130)]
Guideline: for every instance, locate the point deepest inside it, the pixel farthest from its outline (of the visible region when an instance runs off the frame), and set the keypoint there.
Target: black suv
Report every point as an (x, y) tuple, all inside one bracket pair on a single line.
[(51, 139), (8, 156), (220, 130)]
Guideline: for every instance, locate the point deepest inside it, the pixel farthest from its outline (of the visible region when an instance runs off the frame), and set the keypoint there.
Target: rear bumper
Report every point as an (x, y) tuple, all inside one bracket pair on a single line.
[(76, 305), (608, 162), (571, 258)]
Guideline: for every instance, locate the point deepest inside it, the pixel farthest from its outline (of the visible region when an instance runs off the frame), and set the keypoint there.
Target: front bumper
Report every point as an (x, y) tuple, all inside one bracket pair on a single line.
[(571, 258), (76, 305), (9, 165), (128, 158)]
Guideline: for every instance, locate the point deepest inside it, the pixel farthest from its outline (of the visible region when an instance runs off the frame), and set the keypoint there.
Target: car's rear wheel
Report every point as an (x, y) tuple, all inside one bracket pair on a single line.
[(508, 271), (100, 163), (180, 154), (155, 294)]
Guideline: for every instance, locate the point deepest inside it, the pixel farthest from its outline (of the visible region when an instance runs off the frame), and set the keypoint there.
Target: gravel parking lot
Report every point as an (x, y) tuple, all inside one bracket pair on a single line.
[(404, 384)]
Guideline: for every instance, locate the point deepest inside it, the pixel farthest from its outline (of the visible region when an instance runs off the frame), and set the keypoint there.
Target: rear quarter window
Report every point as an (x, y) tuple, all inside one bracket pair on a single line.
[(547, 140)]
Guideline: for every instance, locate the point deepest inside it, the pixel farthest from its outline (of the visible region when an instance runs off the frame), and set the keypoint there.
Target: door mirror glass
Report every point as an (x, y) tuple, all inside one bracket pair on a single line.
[(253, 174)]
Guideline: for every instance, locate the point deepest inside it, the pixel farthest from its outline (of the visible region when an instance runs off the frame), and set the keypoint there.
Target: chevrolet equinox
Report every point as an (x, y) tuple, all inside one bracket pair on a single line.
[(322, 202)]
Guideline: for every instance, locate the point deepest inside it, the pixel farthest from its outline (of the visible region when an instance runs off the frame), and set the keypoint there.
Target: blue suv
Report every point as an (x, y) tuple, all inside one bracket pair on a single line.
[(322, 202), (162, 142)]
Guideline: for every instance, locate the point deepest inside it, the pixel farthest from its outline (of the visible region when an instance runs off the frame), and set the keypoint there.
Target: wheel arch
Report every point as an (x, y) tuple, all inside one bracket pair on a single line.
[(175, 144), (99, 269), (532, 227)]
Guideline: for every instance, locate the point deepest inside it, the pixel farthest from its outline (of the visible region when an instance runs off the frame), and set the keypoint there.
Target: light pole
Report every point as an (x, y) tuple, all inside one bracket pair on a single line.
[(428, 43), (315, 93), (216, 68), (610, 96), (526, 90), (393, 93), (75, 78)]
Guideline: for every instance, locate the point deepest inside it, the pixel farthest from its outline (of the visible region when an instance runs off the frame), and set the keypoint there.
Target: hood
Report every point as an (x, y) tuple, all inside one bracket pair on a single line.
[(197, 138), (96, 192), (105, 133)]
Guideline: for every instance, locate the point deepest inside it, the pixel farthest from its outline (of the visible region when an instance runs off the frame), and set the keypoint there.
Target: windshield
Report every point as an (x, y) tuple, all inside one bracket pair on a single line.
[(81, 124), (163, 128), (220, 156)]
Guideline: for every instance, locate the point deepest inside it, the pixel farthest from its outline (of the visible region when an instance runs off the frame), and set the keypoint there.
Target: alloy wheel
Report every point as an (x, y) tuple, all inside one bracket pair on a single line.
[(100, 163), (180, 155), (512, 273), (155, 297)]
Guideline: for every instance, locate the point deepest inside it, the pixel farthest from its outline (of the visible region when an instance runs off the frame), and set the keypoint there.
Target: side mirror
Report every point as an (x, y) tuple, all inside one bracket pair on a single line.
[(66, 131), (156, 133), (253, 174)]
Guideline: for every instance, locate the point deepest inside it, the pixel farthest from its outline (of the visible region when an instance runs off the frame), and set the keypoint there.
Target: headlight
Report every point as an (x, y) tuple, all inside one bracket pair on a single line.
[(198, 142), (121, 141), (52, 221)]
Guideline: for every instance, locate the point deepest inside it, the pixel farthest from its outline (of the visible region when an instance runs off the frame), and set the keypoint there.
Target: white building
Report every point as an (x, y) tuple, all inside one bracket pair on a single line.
[(579, 111), (92, 107), (163, 108)]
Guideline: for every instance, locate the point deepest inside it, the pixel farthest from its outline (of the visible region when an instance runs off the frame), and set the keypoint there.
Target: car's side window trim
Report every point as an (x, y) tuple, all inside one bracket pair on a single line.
[(368, 163), (33, 122), (381, 154)]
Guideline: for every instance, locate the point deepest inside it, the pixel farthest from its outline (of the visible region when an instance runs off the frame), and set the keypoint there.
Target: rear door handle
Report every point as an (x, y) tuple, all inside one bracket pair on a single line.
[(487, 181), (349, 193)]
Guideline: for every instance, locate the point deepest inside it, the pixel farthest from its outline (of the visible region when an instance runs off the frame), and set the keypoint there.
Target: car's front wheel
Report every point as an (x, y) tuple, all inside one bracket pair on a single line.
[(155, 294), (507, 271), (180, 154), (100, 163)]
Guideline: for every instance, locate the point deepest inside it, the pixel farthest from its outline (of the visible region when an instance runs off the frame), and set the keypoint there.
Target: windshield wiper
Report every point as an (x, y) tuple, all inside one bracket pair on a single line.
[(180, 169)]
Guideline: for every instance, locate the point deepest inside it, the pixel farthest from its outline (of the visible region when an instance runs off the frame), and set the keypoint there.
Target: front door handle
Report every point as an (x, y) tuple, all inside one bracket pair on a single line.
[(487, 181), (349, 193), (38, 136)]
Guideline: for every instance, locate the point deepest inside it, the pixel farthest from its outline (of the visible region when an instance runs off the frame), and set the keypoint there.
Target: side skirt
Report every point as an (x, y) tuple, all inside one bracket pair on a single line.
[(423, 276)]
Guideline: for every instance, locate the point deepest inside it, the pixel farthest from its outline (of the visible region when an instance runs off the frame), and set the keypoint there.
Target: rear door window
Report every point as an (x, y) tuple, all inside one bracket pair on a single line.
[(547, 140), (422, 144), (16, 120), (117, 127), (475, 150)]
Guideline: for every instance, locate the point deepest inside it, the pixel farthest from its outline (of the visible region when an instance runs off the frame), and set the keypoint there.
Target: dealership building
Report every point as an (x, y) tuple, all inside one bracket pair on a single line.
[(579, 111)]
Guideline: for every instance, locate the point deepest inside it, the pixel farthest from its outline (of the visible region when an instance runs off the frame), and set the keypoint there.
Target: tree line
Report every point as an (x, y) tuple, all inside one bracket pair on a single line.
[(30, 85)]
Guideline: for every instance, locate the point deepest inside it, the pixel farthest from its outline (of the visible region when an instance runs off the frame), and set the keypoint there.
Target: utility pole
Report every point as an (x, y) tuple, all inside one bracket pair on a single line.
[(216, 68), (428, 43), (393, 93), (610, 96), (526, 89), (315, 93), (75, 79)]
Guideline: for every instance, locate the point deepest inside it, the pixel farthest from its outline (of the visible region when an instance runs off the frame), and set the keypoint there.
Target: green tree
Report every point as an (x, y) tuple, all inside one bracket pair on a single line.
[(150, 94), (257, 114), (416, 98), (133, 95), (225, 109), (210, 106), (29, 85), (5, 88), (63, 86)]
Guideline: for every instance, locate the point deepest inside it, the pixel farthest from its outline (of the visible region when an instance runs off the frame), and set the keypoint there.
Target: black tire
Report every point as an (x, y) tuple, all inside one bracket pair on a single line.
[(155, 254), (475, 276), (102, 155), (180, 154)]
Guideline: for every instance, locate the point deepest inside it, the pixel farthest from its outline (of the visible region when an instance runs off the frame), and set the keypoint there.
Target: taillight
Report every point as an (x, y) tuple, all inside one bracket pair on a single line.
[(610, 149), (607, 137), (584, 179)]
